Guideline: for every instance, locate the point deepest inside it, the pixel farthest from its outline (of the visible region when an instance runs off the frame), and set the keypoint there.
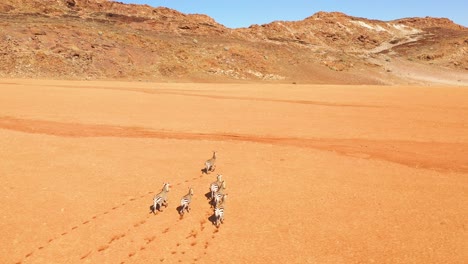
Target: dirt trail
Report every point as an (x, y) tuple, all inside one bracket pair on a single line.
[(444, 156)]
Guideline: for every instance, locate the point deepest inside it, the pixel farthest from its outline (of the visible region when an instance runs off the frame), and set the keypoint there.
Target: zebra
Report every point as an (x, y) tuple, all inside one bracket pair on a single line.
[(185, 202), (210, 164), (219, 211), (219, 194), (160, 199), (214, 186)]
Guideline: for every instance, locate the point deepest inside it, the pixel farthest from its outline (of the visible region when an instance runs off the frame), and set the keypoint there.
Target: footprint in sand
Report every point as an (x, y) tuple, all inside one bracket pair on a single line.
[(150, 239), (193, 234), (102, 248), (86, 255)]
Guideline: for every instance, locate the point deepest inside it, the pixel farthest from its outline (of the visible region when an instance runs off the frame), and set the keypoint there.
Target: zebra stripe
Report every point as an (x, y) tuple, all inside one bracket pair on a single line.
[(214, 187), (210, 165), (219, 214), (219, 194), (219, 211), (160, 199), (185, 202)]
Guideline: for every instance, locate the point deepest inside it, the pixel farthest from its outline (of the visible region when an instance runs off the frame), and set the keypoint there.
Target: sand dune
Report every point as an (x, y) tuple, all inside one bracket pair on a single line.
[(315, 174)]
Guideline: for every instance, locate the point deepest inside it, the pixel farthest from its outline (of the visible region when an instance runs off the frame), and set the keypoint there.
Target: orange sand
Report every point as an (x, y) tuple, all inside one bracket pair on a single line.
[(315, 174)]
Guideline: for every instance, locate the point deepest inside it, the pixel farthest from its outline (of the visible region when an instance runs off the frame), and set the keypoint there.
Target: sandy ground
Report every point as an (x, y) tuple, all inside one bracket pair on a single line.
[(315, 174)]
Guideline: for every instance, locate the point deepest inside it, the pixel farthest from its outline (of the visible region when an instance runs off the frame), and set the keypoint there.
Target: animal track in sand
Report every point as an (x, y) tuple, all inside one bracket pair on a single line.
[(99, 217), (193, 234), (202, 224), (115, 238), (139, 223), (150, 239), (93, 218), (86, 255), (102, 248)]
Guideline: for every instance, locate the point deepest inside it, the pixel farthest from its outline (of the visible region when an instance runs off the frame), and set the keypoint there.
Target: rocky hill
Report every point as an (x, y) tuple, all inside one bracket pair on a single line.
[(98, 39)]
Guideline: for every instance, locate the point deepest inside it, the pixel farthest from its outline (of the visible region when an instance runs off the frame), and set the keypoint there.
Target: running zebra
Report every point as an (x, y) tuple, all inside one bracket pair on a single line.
[(218, 196), (210, 165), (219, 211), (160, 199), (214, 186), (185, 202)]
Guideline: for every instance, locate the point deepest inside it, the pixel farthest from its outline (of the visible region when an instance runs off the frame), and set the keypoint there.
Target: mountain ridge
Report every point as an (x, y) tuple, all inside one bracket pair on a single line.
[(97, 39)]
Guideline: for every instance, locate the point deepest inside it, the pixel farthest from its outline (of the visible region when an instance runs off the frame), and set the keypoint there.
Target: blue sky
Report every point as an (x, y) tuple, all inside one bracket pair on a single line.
[(242, 13)]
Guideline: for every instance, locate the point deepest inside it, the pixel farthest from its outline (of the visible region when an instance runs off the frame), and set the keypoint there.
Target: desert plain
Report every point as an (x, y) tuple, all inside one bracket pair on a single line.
[(314, 173)]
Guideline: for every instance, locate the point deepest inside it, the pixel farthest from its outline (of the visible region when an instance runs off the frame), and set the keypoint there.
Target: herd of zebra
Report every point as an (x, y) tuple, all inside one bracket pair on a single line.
[(217, 195)]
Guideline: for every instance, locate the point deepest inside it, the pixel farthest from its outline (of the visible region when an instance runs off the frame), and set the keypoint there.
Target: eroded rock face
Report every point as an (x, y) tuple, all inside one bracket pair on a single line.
[(106, 39)]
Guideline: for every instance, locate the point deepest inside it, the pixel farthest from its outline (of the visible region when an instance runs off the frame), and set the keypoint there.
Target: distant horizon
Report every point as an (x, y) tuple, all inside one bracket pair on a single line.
[(264, 12)]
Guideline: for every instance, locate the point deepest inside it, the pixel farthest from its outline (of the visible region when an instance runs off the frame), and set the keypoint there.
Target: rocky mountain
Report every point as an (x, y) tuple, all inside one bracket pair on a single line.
[(99, 39)]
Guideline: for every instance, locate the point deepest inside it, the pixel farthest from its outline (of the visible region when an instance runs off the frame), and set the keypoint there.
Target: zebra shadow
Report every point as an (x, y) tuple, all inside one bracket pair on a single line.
[(179, 210), (211, 201), (206, 171), (154, 210), (212, 219)]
